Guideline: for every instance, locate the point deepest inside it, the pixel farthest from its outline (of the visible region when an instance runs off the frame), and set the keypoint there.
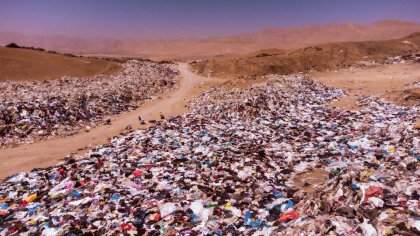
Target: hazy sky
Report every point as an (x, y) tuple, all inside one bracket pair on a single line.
[(189, 18)]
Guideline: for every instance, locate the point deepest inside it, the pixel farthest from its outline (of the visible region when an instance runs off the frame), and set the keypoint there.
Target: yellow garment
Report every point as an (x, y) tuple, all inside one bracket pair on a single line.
[(228, 205), (31, 198)]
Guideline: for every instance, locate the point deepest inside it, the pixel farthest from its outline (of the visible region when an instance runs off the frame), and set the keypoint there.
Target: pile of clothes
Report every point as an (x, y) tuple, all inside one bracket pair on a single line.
[(272, 159), (36, 110)]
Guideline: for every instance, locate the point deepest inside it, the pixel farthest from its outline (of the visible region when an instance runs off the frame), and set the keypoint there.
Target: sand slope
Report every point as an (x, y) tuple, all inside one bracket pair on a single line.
[(391, 82), (25, 64), (320, 57)]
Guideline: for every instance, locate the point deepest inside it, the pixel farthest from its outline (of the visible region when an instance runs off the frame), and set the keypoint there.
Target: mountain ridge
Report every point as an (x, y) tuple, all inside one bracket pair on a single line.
[(281, 38)]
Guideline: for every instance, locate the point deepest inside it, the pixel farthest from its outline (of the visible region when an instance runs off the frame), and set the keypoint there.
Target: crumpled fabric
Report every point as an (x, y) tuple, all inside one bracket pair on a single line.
[(228, 168), (37, 110)]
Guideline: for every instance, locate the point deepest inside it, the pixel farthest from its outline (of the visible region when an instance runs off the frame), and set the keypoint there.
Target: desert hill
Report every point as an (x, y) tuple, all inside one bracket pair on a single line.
[(320, 57), (282, 38), (318, 34), (25, 64)]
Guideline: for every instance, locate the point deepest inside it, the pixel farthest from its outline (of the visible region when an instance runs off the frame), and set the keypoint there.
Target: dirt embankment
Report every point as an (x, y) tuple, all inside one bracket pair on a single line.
[(24, 64), (315, 58), (394, 83)]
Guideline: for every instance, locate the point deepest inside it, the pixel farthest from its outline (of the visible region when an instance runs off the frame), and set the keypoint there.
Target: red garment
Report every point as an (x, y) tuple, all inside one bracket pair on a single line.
[(137, 173), (373, 191), (126, 227), (291, 215)]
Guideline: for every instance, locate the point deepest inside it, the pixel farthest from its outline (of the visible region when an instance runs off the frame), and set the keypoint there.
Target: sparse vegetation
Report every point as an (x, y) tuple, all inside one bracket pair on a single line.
[(15, 45), (12, 45)]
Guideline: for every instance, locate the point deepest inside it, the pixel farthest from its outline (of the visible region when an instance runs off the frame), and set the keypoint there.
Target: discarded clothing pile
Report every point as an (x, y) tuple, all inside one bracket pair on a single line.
[(228, 168), (35, 110)]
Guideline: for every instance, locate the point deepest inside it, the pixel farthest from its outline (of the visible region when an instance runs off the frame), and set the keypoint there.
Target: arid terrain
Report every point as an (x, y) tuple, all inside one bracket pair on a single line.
[(279, 132), (362, 68), (286, 39), (321, 57), (393, 82), (23, 64)]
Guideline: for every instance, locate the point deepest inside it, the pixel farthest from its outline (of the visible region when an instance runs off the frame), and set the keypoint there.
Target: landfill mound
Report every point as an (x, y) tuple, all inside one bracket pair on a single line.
[(24, 65), (322, 57), (36, 110), (228, 168)]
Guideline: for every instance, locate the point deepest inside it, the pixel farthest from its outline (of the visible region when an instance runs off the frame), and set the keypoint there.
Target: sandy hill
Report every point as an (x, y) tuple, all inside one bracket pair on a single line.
[(25, 64), (287, 39), (319, 34), (320, 57)]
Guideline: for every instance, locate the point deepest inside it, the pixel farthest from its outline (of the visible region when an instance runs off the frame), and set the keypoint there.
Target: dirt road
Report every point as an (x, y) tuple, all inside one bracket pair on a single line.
[(50, 152)]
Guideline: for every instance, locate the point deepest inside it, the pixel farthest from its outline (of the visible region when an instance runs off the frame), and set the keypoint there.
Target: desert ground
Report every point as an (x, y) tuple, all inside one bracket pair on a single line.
[(392, 82), (279, 38), (316, 138), (322, 57), (23, 64)]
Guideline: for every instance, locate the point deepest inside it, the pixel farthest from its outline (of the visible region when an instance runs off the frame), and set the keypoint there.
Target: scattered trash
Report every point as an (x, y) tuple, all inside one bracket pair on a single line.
[(36, 110), (229, 168)]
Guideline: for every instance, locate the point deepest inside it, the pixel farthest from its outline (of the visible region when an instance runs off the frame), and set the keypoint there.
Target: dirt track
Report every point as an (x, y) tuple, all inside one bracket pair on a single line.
[(50, 152)]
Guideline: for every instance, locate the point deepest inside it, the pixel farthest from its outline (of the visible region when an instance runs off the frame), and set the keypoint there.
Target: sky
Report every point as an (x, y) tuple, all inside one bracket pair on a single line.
[(189, 18)]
